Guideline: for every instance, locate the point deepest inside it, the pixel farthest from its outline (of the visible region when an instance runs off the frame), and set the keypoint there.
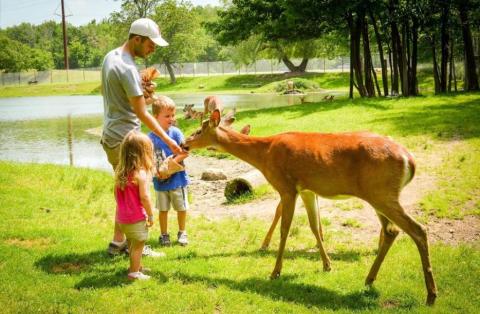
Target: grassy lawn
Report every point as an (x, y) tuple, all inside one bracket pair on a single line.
[(56, 222), (55, 225)]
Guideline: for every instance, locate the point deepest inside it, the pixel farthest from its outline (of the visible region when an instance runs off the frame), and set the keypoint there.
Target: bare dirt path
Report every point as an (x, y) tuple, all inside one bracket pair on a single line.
[(209, 201)]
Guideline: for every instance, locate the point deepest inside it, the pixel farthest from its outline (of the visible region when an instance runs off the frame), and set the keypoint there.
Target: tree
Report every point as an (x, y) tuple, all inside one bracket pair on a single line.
[(272, 22), (181, 28), (16, 57), (471, 77)]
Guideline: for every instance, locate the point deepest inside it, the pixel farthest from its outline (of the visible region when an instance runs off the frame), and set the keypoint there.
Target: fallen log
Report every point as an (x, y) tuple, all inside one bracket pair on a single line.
[(244, 184)]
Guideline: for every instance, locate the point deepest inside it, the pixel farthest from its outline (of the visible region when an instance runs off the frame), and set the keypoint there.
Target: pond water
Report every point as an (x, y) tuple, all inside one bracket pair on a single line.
[(55, 129)]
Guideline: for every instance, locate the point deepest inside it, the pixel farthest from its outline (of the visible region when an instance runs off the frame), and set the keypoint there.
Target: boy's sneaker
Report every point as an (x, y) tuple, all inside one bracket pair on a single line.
[(182, 238), (138, 276), (164, 240), (116, 249), (147, 251)]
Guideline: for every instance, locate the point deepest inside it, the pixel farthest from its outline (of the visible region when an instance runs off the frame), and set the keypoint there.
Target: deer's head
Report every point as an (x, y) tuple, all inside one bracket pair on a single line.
[(187, 107), (206, 135)]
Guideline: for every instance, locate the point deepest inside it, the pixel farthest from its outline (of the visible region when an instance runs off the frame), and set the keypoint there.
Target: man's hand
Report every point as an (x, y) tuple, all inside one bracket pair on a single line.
[(176, 150)]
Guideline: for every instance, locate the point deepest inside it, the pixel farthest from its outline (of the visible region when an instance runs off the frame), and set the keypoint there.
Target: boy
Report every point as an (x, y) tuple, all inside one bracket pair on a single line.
[(171, 180)]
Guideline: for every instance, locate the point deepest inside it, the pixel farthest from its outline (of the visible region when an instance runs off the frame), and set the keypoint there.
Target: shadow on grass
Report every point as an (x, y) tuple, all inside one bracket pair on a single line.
[(442, 121), (314, 255), (97, 268), (283, 289)]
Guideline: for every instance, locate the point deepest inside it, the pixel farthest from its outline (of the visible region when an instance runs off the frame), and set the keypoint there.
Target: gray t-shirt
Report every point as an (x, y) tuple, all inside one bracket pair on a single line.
[(120, 80)]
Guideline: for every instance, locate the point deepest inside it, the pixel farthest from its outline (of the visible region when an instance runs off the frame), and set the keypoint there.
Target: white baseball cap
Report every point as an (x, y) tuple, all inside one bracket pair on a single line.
[(148, 28)]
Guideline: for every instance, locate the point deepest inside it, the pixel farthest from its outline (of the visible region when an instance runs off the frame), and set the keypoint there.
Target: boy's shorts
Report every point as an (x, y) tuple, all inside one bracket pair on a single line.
[(137, 231), (178, 198)]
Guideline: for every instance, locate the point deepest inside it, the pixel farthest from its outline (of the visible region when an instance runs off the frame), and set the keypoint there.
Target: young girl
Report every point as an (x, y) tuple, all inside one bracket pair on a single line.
[(132, 193)]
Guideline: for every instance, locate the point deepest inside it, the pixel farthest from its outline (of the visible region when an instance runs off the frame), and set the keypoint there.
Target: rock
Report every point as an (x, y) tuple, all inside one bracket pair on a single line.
[(213, 175)]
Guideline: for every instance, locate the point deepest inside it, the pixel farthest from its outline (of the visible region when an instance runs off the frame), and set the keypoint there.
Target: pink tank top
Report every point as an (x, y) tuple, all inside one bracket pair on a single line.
[(129, 207)]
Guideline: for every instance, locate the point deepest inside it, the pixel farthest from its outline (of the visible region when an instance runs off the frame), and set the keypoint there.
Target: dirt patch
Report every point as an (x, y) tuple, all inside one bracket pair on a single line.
[(67, 268), (29, 243), (208, 200)]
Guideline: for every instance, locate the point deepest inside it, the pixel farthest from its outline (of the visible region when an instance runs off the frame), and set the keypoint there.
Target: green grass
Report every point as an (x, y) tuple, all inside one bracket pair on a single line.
[(55, 89), (55, 261)]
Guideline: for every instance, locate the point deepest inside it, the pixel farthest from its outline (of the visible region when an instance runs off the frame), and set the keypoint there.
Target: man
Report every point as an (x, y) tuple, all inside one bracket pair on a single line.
[(124, 102)]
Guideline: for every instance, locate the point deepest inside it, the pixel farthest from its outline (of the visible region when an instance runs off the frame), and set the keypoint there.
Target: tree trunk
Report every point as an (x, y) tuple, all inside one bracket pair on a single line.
[(450, 70), (292, 67), (435, 67), (471, 78), (357, 61), (350, 94), (367, 57), (395, 42), (445, 38), (413, 84), (380, 51), (171, 72), (403, 61), (391, 66)]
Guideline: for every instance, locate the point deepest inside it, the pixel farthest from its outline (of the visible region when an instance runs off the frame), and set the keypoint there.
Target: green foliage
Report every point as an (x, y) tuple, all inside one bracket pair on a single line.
[(16, 57), (55, 261), (299, 83), (181, 28)]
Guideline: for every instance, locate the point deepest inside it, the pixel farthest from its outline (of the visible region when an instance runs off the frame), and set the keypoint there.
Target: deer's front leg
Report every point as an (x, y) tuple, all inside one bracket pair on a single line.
[(268, 237), (288, 207)]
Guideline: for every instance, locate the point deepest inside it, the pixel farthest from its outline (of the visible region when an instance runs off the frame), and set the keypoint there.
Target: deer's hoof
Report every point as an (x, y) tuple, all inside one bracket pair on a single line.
[(275, 274), (431, 299), (327, 268)]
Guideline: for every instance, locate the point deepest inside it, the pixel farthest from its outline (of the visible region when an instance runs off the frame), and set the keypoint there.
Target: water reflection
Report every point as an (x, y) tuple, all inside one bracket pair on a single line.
[(31, 108), (52, 129), (53, 141)]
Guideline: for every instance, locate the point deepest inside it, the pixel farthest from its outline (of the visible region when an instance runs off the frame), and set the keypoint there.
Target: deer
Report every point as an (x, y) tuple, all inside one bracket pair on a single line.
[(212, 103), (191, 113), (371, 167)]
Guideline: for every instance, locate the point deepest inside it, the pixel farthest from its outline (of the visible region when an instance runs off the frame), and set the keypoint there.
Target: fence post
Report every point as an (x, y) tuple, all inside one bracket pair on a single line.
[(323, 65), (84, 74), (223, 68), (194, 64), (208, 68), (342, 63), (67, 76), (3, 79)]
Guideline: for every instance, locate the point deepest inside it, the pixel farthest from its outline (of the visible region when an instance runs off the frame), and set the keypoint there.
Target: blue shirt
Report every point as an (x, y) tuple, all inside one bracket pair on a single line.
[(162, 151)]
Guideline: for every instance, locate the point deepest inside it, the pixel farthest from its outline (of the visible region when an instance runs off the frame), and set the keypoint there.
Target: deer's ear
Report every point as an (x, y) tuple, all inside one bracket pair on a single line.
[(215, 118)]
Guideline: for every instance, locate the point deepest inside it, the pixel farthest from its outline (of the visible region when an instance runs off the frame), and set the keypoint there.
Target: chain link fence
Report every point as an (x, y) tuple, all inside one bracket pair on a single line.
[(340, 64)]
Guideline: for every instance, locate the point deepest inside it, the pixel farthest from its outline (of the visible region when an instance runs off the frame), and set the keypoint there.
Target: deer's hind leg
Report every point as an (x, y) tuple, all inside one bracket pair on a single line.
[(310, 201), (268, 237), (396, 214), (388, 233), (288, 208)]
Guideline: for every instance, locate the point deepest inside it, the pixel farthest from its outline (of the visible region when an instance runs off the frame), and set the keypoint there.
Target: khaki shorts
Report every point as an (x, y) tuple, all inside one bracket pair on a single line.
[(113, 155), (177, 198), (137, 231)]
